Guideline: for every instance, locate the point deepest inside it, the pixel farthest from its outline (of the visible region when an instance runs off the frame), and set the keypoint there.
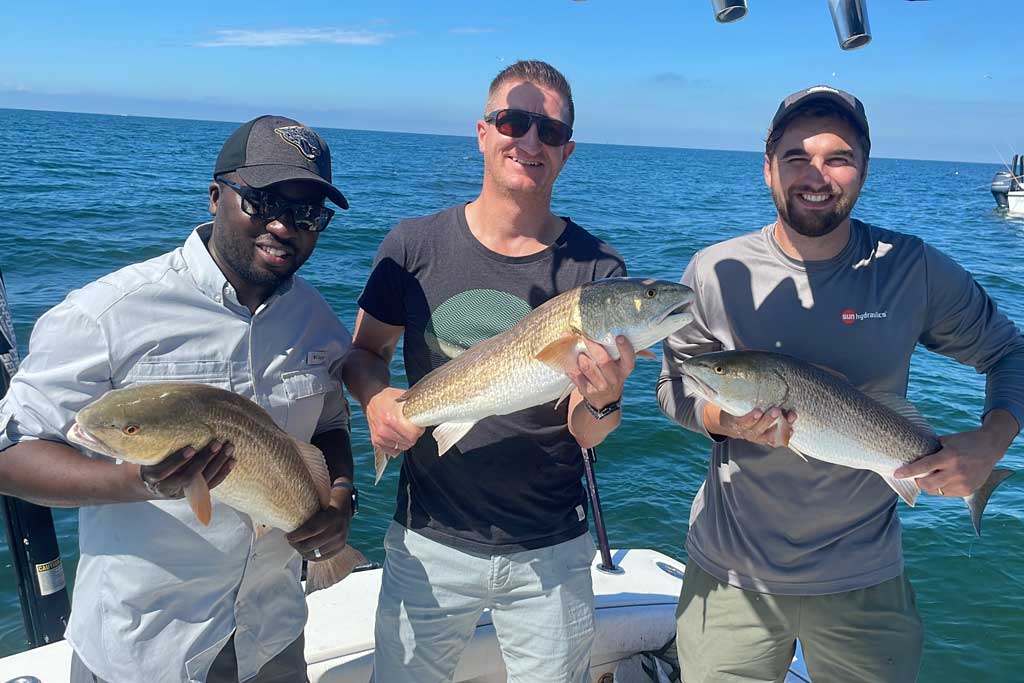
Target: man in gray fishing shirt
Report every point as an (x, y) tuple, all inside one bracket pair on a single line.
[(779, 548)]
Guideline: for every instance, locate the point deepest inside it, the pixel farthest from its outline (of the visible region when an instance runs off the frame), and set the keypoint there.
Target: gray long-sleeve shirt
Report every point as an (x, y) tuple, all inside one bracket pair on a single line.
[(765, 520)]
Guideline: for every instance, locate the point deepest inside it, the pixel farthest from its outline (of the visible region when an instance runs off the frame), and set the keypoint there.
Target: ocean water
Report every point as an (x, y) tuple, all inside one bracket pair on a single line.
[(86, 194)]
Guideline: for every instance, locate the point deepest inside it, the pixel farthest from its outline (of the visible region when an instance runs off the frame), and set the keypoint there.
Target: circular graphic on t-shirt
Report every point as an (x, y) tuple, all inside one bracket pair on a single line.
[(470, 317)]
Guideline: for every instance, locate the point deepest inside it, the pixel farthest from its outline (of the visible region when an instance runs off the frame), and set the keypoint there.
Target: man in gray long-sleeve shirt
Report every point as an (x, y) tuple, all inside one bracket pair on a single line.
[(781, 549)]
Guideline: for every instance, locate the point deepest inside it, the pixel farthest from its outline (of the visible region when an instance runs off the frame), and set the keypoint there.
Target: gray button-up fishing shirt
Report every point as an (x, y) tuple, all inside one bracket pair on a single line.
[(157, 594)]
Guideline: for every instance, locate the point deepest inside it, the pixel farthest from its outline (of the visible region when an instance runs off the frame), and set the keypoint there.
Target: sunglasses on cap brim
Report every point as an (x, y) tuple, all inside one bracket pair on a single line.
[(515, 123)]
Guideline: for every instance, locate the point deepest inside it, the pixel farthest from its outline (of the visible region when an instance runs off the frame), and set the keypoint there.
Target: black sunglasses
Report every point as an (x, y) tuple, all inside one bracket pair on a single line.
[(267, 206), (515, 123)]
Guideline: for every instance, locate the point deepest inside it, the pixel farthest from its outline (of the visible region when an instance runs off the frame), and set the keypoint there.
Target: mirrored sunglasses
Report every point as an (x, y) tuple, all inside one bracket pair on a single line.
[(264, 205)]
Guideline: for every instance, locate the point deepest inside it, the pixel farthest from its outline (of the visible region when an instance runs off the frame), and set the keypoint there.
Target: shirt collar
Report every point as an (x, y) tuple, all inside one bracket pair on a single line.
[(208, 275)]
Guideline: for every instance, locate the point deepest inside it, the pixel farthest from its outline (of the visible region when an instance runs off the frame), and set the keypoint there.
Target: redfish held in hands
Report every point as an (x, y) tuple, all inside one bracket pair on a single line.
[(277, 480), (525, 366), (835, 421)]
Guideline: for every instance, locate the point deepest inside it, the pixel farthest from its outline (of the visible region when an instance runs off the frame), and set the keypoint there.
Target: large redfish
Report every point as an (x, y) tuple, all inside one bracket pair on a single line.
[(525, 366), (277, 480), (835, 421)]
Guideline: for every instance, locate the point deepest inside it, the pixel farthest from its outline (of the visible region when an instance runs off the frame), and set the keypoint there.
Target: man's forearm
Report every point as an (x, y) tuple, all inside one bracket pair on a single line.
[(336, 446), (587, 429), (365, 375), (56, 475), (1001, 427)]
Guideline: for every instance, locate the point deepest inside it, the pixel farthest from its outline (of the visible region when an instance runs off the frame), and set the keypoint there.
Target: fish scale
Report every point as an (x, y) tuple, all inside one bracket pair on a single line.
[(278, 488), (843, 426), (503, 374)]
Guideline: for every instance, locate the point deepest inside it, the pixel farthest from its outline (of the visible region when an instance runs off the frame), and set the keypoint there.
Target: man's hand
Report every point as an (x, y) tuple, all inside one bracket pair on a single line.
[(169, 478), (966, 459), (959, 468), (325, 534), (772, 427), (390, 431), (600, 378)]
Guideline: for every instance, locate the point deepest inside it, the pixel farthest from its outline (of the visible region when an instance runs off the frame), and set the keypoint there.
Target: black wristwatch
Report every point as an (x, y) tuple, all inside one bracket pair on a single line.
[(612, 407), (352, 490)]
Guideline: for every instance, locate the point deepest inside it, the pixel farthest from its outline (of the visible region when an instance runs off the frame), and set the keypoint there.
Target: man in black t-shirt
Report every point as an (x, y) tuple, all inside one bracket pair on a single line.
[(500, 521)]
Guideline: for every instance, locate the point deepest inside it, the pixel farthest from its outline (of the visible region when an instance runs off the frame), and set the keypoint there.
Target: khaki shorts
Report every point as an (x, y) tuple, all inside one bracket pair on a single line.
[(727, 634), (287, 667)]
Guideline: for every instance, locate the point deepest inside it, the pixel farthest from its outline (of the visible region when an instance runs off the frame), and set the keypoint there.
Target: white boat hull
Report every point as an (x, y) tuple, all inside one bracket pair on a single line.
[(1016, 203), (635, 612)]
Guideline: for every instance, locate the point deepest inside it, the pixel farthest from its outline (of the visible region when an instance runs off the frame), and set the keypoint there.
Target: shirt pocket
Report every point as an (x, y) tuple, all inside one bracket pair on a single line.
[(305, 391), (216, 373)]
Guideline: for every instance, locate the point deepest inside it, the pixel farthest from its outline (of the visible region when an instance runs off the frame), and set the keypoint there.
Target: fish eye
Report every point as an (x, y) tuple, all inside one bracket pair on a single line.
[(719, 370), (650, 293), (130, 430)]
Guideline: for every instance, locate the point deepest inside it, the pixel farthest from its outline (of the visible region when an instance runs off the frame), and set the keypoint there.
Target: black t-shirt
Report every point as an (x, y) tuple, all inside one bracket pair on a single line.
[(513, 482)]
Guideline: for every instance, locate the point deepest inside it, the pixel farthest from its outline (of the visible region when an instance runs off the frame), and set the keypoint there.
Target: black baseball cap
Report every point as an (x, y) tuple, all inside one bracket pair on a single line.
[(800, 99), (273, 149)]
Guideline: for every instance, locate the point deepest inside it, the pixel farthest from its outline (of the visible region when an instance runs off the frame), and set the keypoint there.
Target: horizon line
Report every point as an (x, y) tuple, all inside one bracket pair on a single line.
[(1000, 163)]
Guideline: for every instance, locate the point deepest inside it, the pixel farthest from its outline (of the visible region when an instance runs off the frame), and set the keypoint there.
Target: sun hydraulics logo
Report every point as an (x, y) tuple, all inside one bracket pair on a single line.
[(850, 316)]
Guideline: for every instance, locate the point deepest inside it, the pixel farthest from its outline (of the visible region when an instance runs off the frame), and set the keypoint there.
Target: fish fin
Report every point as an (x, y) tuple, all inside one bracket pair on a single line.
[(380, 463), (977, 500), (646, 353), (565, 394), (832, 371), (317, 466), (326, 573), (403, 398), (447, 434), (557, 353), (198, 494), (902, 407), (447, 349), (797, 451), (907, 489), (781, 438)]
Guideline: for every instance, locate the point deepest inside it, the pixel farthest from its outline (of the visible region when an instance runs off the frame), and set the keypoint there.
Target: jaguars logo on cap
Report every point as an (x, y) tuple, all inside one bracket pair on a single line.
[(302, 138)]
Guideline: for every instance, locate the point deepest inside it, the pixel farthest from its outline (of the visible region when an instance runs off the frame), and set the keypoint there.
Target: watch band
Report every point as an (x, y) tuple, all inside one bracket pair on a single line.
[(601, 414), (352, 490)]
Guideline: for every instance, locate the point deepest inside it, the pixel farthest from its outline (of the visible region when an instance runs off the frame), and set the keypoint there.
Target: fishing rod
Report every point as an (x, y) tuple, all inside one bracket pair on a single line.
[(35, 555), (607, 563)]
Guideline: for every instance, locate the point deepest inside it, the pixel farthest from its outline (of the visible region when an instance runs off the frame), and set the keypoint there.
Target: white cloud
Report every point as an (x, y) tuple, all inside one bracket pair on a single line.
[(469, 30), (295, 36)]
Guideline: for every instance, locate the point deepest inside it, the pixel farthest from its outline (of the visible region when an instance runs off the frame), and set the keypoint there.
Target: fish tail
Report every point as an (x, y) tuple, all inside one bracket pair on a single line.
[(977, 500), (326, 573)]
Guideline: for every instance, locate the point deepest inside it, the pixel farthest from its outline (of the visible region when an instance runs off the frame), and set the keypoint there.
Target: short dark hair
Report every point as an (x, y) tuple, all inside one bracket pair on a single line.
[(817, 110), (535, 71)]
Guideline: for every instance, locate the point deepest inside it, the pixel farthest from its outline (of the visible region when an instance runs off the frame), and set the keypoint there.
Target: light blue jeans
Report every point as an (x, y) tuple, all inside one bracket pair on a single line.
[(431, 596)]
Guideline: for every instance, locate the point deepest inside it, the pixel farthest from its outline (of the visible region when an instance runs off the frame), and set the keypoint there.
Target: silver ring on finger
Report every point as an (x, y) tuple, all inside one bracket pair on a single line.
[(940, 491), (317, 554)]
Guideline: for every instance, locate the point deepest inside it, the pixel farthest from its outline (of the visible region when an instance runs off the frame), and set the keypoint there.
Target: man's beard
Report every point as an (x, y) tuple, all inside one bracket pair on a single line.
[(240, 256), (812, 223)]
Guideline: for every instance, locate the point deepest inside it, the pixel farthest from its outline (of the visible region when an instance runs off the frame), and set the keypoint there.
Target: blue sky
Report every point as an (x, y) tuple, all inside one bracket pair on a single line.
[(941, 79)]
